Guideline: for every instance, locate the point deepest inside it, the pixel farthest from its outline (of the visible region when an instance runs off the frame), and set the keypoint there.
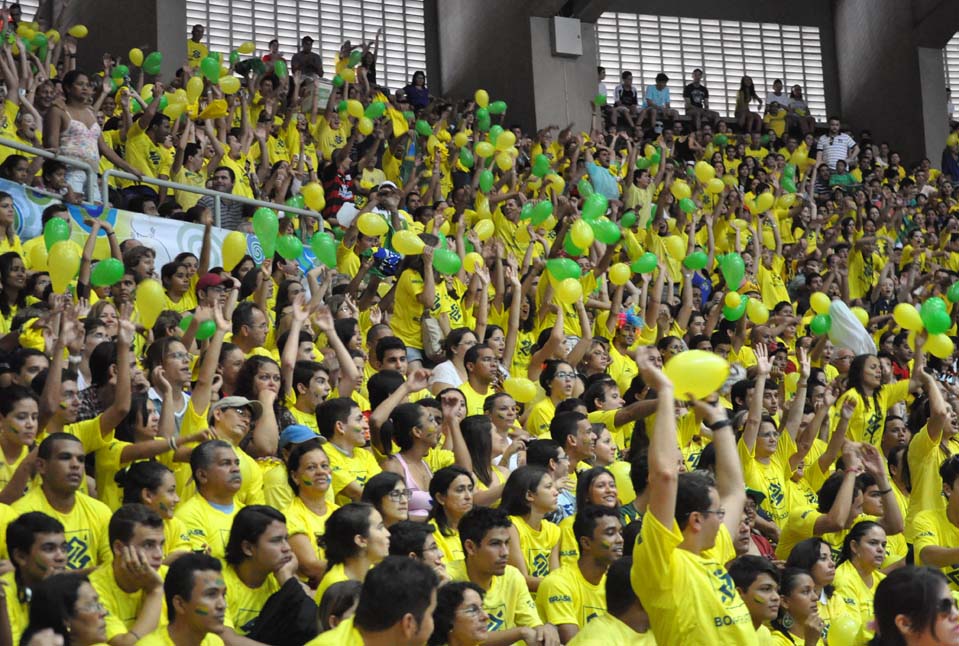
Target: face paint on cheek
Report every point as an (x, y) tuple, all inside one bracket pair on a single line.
[(40, 565), (759, 599), (203, 611), (306, 483)]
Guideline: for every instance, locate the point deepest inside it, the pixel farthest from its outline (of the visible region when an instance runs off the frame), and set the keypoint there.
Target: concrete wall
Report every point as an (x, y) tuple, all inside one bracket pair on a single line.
[(564, 87), (816, 13), (934, 120)]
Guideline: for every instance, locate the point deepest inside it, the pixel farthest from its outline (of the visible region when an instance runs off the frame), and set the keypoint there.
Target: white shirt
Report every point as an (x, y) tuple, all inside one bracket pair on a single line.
[(835, 148)]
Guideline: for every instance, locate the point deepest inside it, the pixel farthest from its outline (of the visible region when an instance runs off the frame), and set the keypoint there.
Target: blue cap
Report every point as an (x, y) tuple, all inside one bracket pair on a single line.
[(297, 434)]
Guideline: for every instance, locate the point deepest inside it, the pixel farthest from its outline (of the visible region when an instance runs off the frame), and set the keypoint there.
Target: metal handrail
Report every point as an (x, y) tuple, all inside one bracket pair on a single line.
[(46, 154), (217, 196)]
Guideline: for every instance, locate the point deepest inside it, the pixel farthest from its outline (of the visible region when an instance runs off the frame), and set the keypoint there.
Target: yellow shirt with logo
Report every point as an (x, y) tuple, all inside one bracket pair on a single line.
[(606, 630), (507, 602), (300, 519), (243, 603), (122, 607), (359, 467), (84, 527), (195, 52), (565, 597), (932, 528), (536, 545), (207, 526), (849, 584)]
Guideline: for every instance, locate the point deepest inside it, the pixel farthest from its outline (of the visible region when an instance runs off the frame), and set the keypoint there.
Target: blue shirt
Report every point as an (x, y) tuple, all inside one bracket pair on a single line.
[(603, 181), (657, 97)]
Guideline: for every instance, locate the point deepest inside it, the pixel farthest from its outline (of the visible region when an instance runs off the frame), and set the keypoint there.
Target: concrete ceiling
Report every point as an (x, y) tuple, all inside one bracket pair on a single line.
[(935, 21)]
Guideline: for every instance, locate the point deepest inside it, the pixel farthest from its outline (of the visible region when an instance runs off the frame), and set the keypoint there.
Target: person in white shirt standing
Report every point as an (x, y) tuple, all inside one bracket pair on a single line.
[(835, 146)]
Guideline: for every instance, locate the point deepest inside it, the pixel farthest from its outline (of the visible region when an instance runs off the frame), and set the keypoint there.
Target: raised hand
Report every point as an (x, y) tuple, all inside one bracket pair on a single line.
[(763, 364)]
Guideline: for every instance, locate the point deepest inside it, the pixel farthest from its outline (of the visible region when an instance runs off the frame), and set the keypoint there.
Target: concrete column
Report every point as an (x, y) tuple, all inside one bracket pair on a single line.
[(563, 87), (932, 79)]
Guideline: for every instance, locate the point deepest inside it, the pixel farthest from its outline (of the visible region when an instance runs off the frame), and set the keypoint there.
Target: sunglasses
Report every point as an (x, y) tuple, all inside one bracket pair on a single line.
[(947, 606)]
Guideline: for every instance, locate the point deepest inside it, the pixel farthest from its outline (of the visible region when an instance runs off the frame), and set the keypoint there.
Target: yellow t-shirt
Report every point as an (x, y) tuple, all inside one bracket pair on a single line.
[(689, 598), (343, 635), (868, 420), (474, 399), (243, 604), (925, 455), (540, 416), (18, 611), (536, 545), (622, 368), (195, 52), (335, 574), (359, 467), (507, 602), (451, 546), (606, 630), (770, 478), (300, 519), (175, 536), (568, 545), (849, 584), (187, 199), (932, 528), (330, 140), (85, 527), (207, 526), (146, 156), (161, 637), (565, 597), (407, 309), (122, 607)]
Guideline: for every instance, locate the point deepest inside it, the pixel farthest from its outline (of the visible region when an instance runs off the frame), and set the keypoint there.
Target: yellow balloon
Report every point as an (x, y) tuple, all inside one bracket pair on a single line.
[(234, 248), (649, 150), (556, 183), (246, 48), (503, 161), (739, 223), (787, 200), (619, 273), (355, 108), (764, 202), (907, 317), (860, 314), (38, 258), (733, 299), (313, 196), (843, 631), (756, 311), (348, 74), (194, 88), (704, 171), (581, 234), (25, 32), (715, 186), (371, 224), (408, 243), (696, 372), (461, 139), (365, 126), (940, 345), (484, 229), (230, 84), (506, 140), (680, 189), (675, 247), (78, 31), (179, 96), (445, 227), (136, 56), (150, 301), (482, 98), (64, 263), (485, 149), (952, 140), (568, 291), (819, 302), (53, 36), (472, 261), (520, 389), (798, 158), (174, 110)]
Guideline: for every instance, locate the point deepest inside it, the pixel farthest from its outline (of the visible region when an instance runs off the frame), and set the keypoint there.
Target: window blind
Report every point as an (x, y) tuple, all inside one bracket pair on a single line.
[(950, 61), (726, 50)]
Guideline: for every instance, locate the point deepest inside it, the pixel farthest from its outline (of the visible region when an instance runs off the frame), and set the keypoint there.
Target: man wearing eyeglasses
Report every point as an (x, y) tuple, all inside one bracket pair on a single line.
[(836, 146)]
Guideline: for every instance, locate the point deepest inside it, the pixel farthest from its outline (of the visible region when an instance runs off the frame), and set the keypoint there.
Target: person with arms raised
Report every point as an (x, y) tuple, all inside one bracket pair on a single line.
[(678, 567)]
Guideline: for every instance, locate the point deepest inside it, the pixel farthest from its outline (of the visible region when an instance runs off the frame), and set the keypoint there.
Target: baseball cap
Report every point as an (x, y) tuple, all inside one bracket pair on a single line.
[(208, 280), (306, 38), (297, 434), (387, 184), (256, 408), (756, 495)]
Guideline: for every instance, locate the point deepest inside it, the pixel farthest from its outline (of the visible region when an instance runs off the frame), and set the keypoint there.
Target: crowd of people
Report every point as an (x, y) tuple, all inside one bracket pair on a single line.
[(480, 416)]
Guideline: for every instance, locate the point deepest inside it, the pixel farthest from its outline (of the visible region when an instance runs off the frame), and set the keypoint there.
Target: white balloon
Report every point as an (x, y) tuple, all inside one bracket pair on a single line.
[(847, 331), (347, 214)]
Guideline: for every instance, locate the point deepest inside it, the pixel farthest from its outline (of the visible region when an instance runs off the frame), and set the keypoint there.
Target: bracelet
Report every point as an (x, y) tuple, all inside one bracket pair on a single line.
[(722, 423), (111, 234), (853, 470)]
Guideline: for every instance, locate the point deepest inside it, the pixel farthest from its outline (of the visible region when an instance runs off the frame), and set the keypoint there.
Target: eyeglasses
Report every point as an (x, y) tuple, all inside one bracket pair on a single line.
[(94, 608), (399, 494), (179, 356), (565, 375), (720, 513), (241, 411), (947, 606), (472, 610)]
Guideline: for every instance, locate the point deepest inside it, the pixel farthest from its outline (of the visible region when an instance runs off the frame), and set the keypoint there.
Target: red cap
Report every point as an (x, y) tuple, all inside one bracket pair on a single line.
[(208, 280)]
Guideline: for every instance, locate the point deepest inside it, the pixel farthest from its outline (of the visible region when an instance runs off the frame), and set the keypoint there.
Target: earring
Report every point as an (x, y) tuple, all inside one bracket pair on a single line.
[(787, 620)]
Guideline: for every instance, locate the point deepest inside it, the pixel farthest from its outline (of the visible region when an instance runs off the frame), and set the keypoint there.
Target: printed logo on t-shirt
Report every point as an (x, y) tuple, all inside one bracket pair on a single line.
[(541, 564), (79, 556), (497, 617)]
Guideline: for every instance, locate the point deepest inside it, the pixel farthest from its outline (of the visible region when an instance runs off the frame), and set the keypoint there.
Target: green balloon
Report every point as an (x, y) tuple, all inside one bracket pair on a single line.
[(494, 133), (154, 61), (563, 268), (324, 248), (355, 57), (482, 114), (39, 40), (953, 293), (234, 57), (375, 110), (120, 72), (735, 313), (599, 100), (628, 220), (266, 226), (937, 322), (570, 248), (540, 165), (595, 206), (423, 128), (721, 140), (696, 260), (606, 231), (585, 188), (483, 124), (789, 185), (733, 269), (289, 247), (645, 264), (297, 201), (408, 115), (338, 81), (486, 181), (341, 106), (687, 205), (654, 158), (54, 231), (210, 67), (466, 157), (790, 170), (497, 107), (206, 330), (642, 163), (106, 272), (541, 212), (447, 262), (281, 70), (526, 211), (820, 324), (185, 322), (934, 304)]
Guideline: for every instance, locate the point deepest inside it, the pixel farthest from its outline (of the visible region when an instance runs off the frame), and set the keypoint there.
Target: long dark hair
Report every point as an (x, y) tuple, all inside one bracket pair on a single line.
[(911, 591), (6, 267), (53, 603), (855, 534), (439, 485), (477, 433), (854, 379)]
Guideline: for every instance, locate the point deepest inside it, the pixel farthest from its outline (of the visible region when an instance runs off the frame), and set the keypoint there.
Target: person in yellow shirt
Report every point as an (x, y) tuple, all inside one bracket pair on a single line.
[(131, 585), (625, 621), (208, 515), (356, 539), (557, 380), (259, 561), (395, 607), (575, 594), (196, 51), (678, 567), (154, 485), (935, 531), (231, 419), (757, 581), (873, 398), (145, 145), (309, 472), (528, 497), (799, 602), (484, 533), (341, 423), (195, 595), (459, 616), (38, 549), (858, 573), (415, 540), (481, 371)]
